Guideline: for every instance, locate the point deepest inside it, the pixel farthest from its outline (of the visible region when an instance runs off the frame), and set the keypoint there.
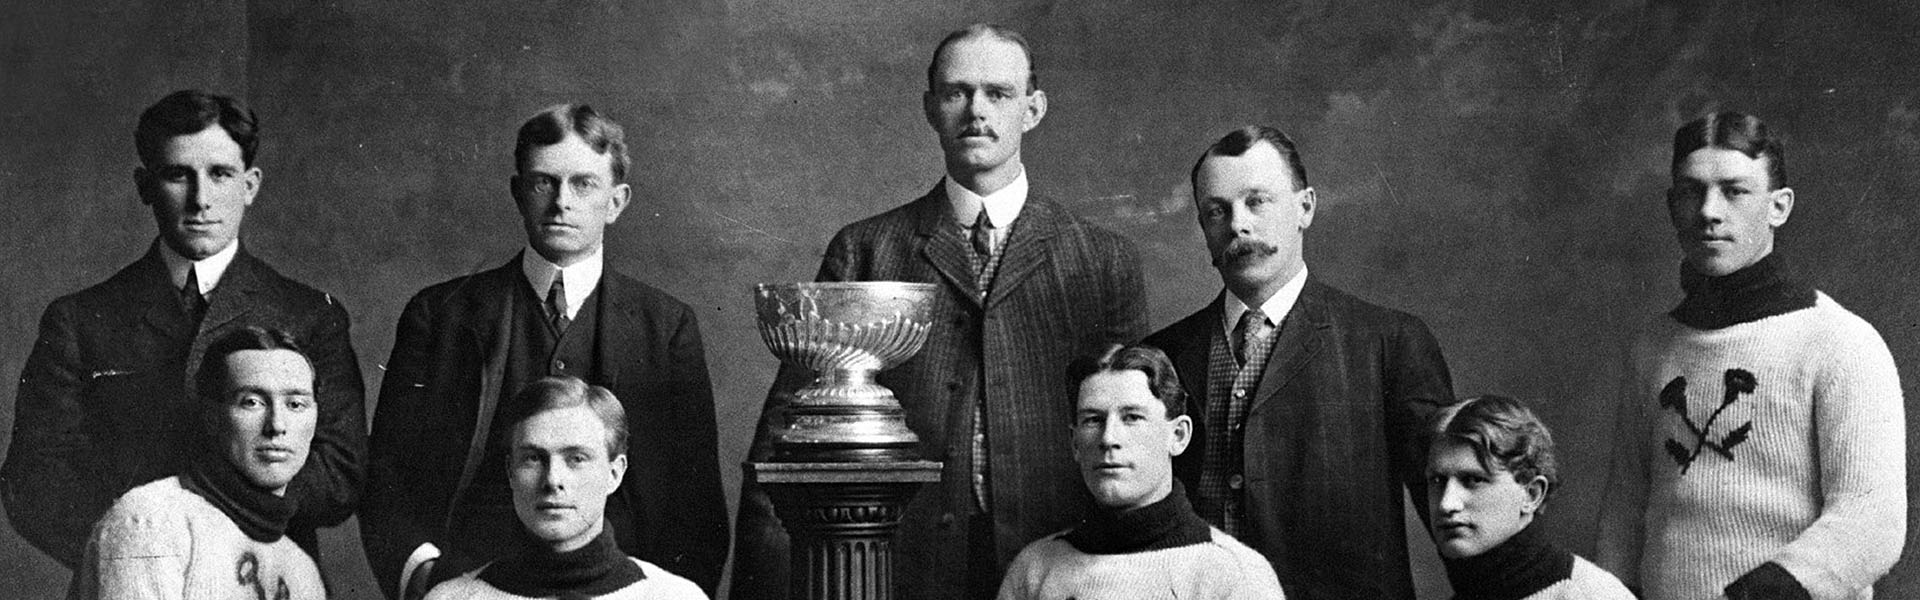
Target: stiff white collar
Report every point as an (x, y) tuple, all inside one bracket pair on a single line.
[(208, 270), (579, 280), (1276, 307), (1003, 205)]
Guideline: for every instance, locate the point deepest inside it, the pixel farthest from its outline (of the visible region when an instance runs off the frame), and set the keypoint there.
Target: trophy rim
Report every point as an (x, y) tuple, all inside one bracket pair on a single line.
[(909, 286)]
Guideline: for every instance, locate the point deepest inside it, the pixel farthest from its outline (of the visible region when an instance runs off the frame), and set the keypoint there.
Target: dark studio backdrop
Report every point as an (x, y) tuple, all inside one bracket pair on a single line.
[(1496, 167)]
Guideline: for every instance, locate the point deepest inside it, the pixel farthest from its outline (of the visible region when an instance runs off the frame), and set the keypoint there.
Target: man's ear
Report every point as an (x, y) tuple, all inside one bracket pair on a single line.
[(930, 109), (142, 184), (619, 466), (1779, 206), (1308, 200), (621, 195), (1036, 110), (251, 179), (1180, 436), (1536, 494)]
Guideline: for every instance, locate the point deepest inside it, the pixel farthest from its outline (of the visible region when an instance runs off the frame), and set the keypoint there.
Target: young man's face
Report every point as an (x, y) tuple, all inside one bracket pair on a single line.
[(199, 190), (1475, 509), (1124, 441), (1253, 219), (561, 476), (267, 418), (567, 197), (980, 105), (1722, 211)]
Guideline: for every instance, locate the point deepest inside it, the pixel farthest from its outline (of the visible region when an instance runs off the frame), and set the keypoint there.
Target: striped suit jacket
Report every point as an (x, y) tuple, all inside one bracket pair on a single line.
[(1063, 287)]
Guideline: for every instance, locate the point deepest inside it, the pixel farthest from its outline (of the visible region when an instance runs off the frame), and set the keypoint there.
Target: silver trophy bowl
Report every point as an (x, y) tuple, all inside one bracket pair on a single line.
[(845, 333)]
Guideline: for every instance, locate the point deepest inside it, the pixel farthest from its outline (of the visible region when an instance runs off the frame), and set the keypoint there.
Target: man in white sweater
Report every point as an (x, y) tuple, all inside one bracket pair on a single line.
[(1760, 451), (567, 454), (1143, 538), (218, 530)]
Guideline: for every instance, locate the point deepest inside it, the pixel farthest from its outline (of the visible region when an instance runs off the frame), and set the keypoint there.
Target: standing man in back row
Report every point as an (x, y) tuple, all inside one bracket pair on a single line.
[(107, 398), (1310, 404), (1026, 287), (1761, 445), (436, 504)]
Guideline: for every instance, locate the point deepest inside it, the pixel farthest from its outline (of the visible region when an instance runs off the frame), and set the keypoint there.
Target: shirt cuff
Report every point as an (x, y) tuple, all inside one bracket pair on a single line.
[(420, 556)]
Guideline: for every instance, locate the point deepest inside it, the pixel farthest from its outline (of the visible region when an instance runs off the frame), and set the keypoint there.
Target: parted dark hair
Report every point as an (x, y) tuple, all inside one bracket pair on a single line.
[(992, 31), (211, 381), (1239, 141), (188, 112), (1736, 131), (1162, 381), (1503, 433), (560, 392), (552, 125)]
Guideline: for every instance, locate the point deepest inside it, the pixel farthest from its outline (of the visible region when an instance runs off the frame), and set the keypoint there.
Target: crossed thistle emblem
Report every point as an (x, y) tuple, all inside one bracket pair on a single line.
[(1674, 396)]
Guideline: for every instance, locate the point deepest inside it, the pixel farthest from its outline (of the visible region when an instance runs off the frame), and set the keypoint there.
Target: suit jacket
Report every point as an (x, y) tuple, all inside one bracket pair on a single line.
[(107, 398), (1063, 287), (1332, 435), (669, 511)]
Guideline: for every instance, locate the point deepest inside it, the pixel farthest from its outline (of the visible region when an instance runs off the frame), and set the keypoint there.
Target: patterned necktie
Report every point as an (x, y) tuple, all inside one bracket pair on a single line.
[(557, 304), (983, 234), (191, 298), (1248, 332)]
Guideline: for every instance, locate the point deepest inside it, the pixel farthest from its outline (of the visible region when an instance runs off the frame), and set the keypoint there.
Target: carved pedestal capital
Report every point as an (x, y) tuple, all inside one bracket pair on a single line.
[(841, 517)]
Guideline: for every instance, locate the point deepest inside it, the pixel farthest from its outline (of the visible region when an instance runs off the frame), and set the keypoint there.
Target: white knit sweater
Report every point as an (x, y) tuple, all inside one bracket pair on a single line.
[(1052, 569), (658, 585), (162, 541), (1804, 466)]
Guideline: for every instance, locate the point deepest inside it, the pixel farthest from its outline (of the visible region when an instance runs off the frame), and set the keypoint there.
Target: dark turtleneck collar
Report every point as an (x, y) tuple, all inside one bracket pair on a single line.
[(260, 514), (1517, 568), (1760, 290), (1169, 523), (596, 569)]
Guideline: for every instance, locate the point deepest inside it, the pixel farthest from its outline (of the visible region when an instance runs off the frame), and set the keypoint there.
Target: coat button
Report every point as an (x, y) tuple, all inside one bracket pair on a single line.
[(1236, 481), (1240, 393), (559, 365)]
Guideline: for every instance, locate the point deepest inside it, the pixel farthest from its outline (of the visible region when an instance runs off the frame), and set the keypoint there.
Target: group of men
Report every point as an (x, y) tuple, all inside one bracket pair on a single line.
[(541, 422)]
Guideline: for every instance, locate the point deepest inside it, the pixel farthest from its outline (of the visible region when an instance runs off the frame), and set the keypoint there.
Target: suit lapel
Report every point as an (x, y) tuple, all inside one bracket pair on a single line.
[(148, 286), (491, 308), (941, 244), (614, 330), (231, 297), (1299, 341), (1027, 246), (1203, 329)]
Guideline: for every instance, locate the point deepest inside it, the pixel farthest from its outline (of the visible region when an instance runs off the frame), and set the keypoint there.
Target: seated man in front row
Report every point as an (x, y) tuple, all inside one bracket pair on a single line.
[(568, 453), (1143, 536), (218, 529), (1490, 467)]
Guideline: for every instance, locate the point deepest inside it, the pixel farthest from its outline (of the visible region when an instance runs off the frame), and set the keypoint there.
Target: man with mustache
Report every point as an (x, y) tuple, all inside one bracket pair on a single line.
[(106, 399), (435, 505), (1761, 443), (1309, 402), (218, 528), (1025, 287)]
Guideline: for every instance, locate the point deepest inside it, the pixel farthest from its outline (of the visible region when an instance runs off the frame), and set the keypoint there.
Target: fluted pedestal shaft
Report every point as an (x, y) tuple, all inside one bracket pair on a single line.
[(841, 517)]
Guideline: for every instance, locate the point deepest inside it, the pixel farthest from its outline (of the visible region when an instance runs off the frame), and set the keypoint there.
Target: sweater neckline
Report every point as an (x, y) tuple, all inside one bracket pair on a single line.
[(1515, 569), (1168, 523), (259, 514), (1763, 289), (596, 569)]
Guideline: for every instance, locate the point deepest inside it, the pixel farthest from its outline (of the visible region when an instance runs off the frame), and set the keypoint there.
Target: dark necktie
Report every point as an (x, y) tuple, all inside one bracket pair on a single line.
[(191, 298), (983, 234), (1247, 332), (557, 304)]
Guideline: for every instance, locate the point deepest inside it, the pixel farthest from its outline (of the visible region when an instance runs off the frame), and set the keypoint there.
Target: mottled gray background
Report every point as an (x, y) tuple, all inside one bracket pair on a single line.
[(1494, 167)]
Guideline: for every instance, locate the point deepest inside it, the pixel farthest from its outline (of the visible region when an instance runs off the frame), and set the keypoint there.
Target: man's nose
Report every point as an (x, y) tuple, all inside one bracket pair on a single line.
[(276, 422), (554, 478), (1453, 498)]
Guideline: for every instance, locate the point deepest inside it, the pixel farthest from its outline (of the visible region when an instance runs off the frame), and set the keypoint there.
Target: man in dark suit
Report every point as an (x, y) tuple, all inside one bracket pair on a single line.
[(438, 504), (1026, 286), (106, 400), (1308, 401)]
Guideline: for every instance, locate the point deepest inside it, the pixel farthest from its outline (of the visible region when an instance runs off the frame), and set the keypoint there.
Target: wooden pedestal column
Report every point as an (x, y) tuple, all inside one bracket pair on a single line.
[(841, 517)]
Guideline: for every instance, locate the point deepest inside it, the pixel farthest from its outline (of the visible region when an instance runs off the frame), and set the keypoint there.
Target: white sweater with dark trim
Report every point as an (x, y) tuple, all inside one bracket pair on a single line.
[(1777, 440)]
